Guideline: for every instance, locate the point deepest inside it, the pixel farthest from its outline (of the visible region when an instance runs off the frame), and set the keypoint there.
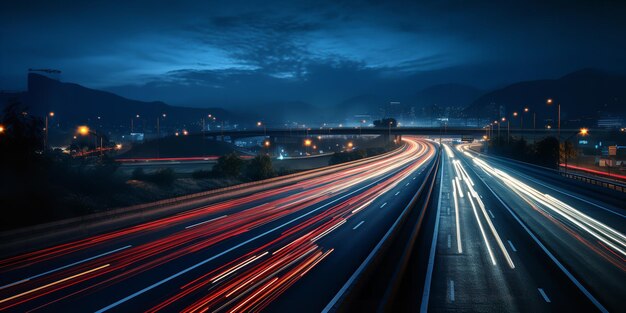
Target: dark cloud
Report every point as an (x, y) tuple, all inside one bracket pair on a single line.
[(207, 52)]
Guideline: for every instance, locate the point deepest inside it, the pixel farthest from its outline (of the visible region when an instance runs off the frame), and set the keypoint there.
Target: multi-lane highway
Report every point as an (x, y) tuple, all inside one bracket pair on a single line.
[(508, 241), (287, 248)]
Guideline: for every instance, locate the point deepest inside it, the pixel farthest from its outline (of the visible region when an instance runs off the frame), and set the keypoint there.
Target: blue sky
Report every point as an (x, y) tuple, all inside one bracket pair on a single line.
[(203, 53)]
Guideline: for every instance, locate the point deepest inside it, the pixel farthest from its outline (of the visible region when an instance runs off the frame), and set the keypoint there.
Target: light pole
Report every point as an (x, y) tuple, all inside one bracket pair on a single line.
[(558, 110), (583, 132), (45, 138), (259, 124)]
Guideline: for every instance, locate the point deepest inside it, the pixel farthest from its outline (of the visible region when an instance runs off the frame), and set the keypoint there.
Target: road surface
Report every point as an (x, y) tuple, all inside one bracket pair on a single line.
[(288, 248), (509, 242)]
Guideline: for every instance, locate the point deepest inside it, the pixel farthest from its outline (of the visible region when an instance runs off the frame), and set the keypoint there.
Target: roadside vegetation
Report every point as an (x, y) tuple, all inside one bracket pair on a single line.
[(544, 152)]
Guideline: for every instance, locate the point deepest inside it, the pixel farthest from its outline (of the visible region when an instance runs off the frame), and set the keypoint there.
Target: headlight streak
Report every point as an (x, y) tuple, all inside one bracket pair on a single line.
[(205, 234), (473, 194), (609, 238), (482, 231)]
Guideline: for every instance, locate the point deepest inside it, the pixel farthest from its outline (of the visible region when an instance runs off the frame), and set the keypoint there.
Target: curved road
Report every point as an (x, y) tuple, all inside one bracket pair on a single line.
[(287, 248)]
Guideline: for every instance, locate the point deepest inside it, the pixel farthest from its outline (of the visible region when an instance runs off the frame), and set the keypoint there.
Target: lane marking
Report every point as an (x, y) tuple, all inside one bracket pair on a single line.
[(167, 279), (449, 241), (359, 224), (452, 290), (64, 267), (512, 246), (407, 184), (491, 214), (456, 219), (383, 205), (211, 220), (54, 283), (397, 193), (544, 295), (550, 255), (433, 246)]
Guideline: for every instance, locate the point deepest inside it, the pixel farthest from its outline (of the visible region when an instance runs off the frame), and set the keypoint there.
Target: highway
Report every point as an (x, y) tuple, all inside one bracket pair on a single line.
[(289, 248), (508, 241)]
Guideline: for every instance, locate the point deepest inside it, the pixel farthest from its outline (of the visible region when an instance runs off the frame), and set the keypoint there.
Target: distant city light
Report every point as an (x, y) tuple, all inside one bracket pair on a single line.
[(185, 132), (307, 142), (549, 101), (584, 131), (118, 146), (51, 114)]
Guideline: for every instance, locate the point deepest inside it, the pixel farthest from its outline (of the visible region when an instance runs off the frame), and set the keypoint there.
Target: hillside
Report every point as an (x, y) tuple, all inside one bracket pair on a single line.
[(75, 104), (586, 93)]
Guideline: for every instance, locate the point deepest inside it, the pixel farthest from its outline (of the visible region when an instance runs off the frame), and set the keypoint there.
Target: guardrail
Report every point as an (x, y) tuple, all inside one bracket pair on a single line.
[(595, 181)]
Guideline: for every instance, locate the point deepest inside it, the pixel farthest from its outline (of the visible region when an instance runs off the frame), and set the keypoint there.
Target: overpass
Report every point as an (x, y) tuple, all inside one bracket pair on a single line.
[(395, 131)]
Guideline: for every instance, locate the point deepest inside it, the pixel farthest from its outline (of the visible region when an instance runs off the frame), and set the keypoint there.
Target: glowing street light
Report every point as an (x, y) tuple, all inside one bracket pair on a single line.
[(514, 113), (584, 131), (176, 134), (350, 145), (118, 146), (266, 143), (525, 109), (259, 123), (1, 129), (185, 132), (307, 142), (83, 130)]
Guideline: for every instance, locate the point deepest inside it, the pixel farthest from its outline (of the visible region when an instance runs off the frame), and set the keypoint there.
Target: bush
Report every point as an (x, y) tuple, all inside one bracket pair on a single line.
[(260, 168), (229, 165), (343, 157)]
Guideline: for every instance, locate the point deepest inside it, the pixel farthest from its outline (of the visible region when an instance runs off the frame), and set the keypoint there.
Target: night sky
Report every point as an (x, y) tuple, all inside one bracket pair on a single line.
[(229, 53)]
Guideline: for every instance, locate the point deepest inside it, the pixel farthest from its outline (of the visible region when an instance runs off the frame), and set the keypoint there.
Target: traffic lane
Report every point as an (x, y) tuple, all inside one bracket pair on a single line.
[(465, 278), (352, 244), (186, 260), (204, 212), (597, 269), (575, 192)]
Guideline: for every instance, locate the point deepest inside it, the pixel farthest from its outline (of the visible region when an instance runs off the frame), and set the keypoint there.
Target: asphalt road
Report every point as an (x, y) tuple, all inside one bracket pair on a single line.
[(508, 241), (286, 249)]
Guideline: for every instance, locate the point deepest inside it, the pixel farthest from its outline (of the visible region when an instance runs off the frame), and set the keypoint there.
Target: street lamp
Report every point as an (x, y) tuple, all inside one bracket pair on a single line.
[(83, 130), (185, 132), (558, 106), (1, 129), (583, 132), (45, 139)]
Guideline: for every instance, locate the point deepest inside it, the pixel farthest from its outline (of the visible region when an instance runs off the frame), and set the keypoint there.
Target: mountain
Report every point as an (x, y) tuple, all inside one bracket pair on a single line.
[(583, 94), (74, 104), (447, 95)]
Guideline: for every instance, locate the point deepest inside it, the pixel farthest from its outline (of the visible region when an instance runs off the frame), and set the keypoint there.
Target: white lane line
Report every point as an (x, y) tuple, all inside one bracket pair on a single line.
[(449, 242), (198, 224), (452, 290), (407, 184), (359, 224), (414, 177), (491, 214), (167, 279), (397, 193), (550, 255), (65, 266), (383, 205), (456, 219), (512, 246), (544, 295), (433, 247)]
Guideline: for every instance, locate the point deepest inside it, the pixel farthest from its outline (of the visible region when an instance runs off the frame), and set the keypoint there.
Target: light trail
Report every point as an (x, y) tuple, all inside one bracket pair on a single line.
[(336, 195), (456, 218)]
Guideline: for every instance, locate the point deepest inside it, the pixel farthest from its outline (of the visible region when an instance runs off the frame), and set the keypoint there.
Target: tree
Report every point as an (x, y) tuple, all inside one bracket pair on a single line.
[(547, 152), (567, 152), (229, 165), (260, 168)]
